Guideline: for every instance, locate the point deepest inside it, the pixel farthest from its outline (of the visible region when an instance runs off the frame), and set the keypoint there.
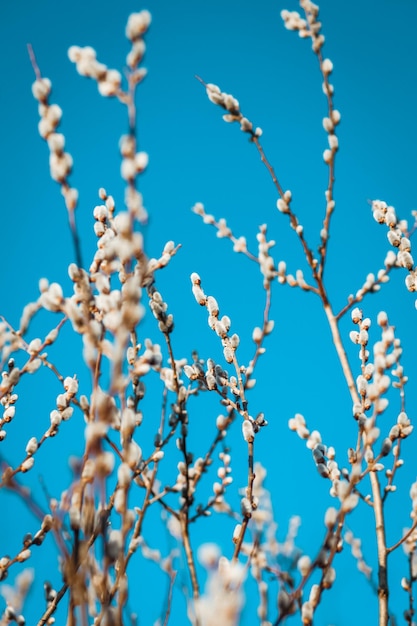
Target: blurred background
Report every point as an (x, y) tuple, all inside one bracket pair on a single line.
[(196, 157)]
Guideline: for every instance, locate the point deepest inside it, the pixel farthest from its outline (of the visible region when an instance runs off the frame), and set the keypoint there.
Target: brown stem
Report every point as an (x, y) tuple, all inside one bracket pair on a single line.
[(249, 495), (338, 344), (292, 217), (382, 551), (33, 61), (172, 578), (53, 606), (189, 552), (376, 491), (404, 538)]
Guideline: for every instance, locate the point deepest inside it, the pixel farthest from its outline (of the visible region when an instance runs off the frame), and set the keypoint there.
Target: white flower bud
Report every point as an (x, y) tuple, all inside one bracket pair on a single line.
[(124, 475), (327, 156), (330, 517), (89, 471), (211, 381), (220, 329), (24, 555), (328, 125), (128, 423), (257, 334), (56, 418), (120, 501), (282, 206), (402, 419), (32, 446), (235, 340), (56, 142), (307, 612), (248, 432), (303, 565), (138, 24), (327, 66), (71, 385), (212, 306), (236, 532), (336, 117), (9, 413), (329, 578), (405, 260), (354, 336), (128, 169), (41, 88), (132, 454), (363, 337), (228, 354), (410, 282), (245, 125), (394, 238), (141, 161), (27, 464), (314, 595), (246, 506), (349, 503), (199, 294)]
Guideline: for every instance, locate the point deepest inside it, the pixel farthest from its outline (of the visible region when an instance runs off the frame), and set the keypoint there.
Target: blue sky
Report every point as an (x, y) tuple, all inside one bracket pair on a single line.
[(195, 156)]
